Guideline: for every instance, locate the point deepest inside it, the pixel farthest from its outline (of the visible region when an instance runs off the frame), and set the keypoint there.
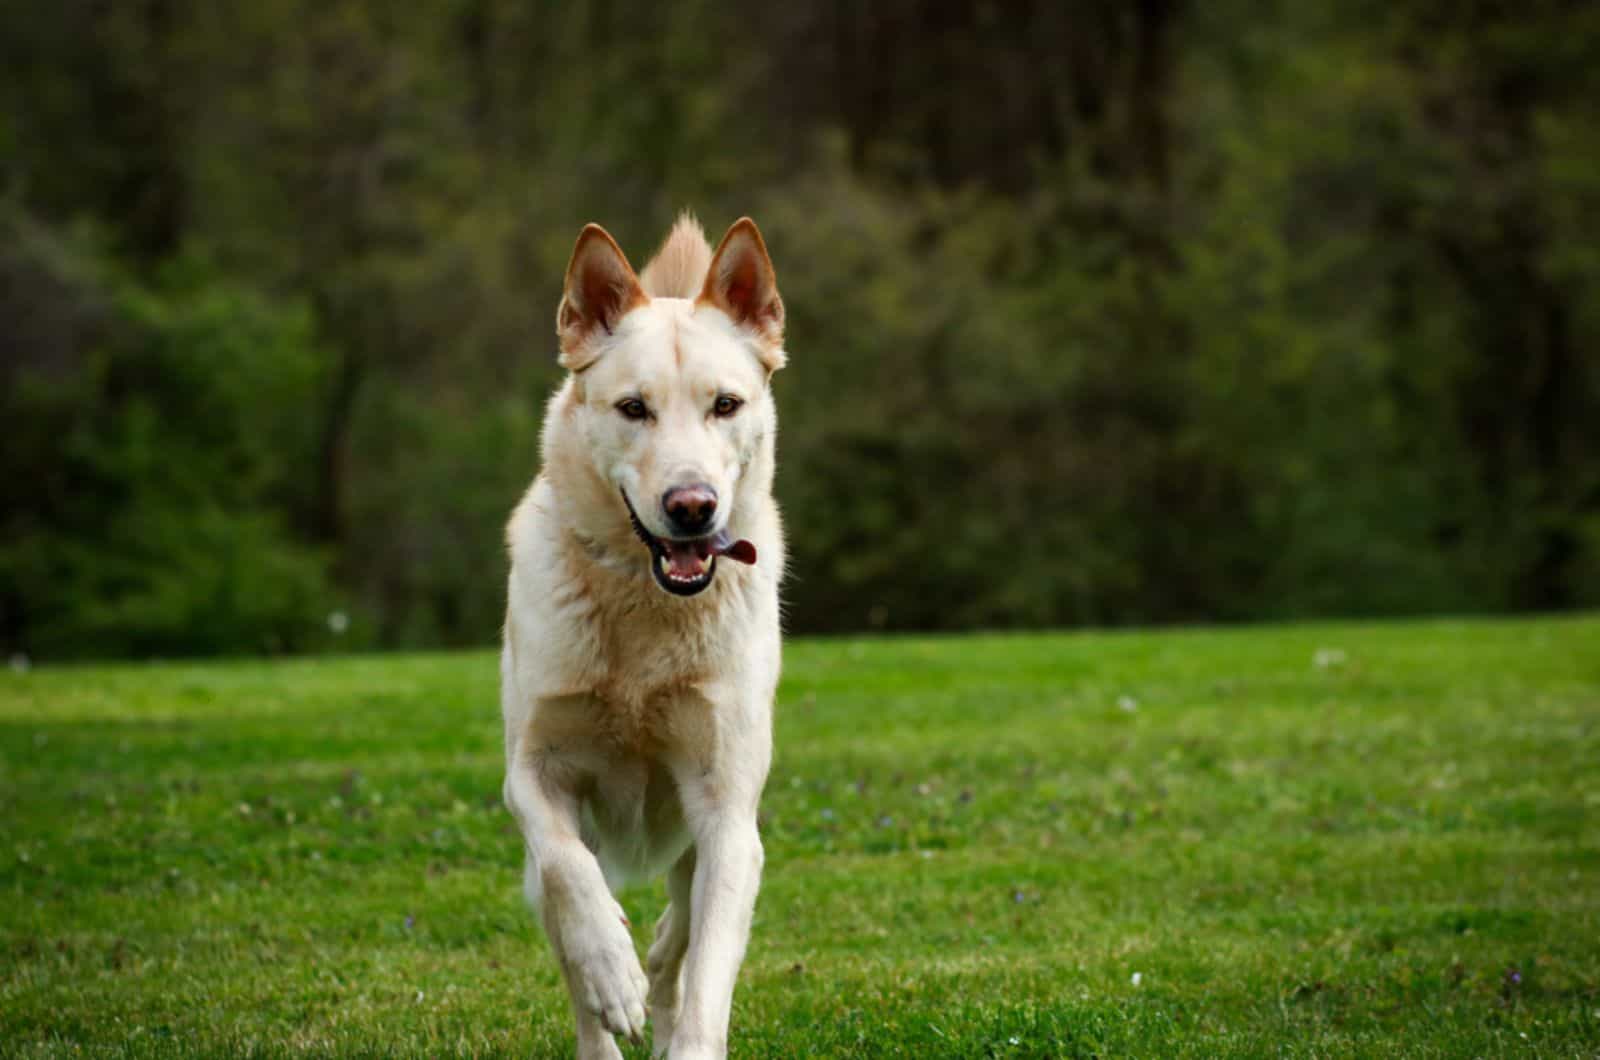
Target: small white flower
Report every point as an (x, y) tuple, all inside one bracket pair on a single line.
[(20, 663), (1328, 658), (1136, 977), (1014, 1040), (1127, 704), (338, 623)]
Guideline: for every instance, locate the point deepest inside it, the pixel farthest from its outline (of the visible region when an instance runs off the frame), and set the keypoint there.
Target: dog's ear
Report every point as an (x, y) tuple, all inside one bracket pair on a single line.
[(741, 283), (600, 289)]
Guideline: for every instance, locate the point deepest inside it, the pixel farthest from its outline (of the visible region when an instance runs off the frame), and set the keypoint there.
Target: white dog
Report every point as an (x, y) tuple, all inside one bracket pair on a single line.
[(641, 641)]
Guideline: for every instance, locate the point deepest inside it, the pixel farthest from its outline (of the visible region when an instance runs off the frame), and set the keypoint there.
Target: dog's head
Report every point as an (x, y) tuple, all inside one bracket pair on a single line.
[(670, 388)]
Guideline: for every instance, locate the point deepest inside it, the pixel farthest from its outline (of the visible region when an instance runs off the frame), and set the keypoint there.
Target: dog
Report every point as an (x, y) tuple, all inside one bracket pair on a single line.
[(642, 645)]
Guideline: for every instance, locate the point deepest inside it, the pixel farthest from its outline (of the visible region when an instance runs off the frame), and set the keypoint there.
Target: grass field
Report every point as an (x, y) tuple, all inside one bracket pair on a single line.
[(1318, 840)]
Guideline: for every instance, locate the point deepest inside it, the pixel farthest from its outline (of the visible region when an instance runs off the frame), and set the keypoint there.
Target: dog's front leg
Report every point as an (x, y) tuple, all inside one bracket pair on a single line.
[(586, 926), (727, 874)]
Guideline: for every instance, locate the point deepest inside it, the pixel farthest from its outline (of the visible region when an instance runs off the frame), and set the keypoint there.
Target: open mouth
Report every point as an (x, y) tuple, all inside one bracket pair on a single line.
[(686, 567)]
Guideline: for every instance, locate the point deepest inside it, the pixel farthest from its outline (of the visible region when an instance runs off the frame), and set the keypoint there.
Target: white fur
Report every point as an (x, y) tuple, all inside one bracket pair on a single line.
[(638, 724)]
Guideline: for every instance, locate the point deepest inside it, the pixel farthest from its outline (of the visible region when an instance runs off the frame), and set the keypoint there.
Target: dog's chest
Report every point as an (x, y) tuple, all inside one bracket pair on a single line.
[(646, 651), (644, 701)]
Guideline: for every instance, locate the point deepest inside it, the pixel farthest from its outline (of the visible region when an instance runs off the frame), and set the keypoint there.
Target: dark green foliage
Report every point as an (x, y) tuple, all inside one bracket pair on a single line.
[(153, 443), (1103, 313)]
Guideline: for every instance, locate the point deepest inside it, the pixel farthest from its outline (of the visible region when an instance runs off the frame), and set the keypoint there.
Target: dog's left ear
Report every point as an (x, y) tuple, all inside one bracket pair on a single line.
[(742, 284), (600, 290)]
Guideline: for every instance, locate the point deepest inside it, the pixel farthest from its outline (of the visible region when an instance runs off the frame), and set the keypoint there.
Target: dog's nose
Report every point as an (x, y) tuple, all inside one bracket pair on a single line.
[(690, 508)]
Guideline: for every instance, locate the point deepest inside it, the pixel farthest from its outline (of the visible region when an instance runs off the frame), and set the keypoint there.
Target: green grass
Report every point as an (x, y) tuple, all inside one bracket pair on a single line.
[(973, 845)]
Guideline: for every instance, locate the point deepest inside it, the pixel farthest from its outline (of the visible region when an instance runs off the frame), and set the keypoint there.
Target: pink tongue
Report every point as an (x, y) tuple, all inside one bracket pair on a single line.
[(686, 557), (741, 550)]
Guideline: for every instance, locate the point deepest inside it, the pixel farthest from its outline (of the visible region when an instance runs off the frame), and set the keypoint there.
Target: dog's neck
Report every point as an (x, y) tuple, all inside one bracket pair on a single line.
[(595, 527)]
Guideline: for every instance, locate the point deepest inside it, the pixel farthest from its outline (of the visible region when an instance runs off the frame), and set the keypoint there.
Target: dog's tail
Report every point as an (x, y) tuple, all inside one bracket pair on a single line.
[(679, 268)]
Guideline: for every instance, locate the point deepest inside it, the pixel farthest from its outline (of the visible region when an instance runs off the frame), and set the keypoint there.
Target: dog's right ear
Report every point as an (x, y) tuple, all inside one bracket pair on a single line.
[(740, 282), (599, 291)]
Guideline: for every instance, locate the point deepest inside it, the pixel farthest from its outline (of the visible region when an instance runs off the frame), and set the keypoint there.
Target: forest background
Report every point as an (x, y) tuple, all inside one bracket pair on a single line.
[(1099, 313)]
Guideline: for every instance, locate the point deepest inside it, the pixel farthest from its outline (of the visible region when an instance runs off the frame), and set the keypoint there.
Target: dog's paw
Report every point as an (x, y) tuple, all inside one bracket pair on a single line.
[(606, 976), (602, 1048)]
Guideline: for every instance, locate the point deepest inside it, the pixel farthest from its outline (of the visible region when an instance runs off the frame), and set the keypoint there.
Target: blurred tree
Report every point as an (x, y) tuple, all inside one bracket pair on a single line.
[(1099, 312), (139, 484)]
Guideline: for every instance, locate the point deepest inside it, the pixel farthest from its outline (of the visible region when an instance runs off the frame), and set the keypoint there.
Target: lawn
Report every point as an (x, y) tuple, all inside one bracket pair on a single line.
[(1376, 839)]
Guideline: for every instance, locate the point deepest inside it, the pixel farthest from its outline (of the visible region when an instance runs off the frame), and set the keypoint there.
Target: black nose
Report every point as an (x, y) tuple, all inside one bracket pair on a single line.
[(690, 508)]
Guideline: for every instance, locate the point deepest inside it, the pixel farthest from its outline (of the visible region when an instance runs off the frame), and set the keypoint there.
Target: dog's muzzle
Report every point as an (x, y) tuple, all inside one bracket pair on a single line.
[(686, 567)]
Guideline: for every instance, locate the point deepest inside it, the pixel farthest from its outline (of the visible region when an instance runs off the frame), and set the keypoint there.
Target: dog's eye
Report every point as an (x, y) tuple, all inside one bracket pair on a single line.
[(726, 405), (633, 408)]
